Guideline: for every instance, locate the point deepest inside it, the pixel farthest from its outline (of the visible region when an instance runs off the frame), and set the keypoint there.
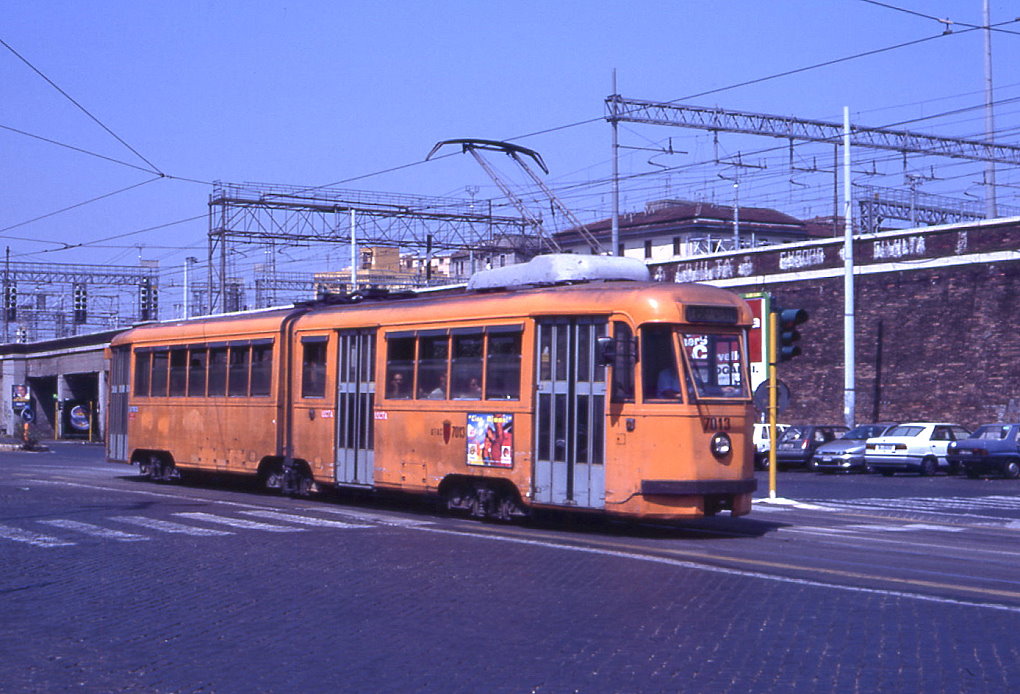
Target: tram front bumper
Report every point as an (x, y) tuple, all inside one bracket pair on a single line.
[(695, 498)]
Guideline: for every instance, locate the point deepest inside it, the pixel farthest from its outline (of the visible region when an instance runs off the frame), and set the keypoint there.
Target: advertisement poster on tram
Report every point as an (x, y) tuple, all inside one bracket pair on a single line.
[(490, 440)]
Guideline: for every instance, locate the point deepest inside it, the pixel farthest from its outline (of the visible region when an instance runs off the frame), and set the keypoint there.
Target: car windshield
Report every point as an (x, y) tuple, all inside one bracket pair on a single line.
[(904, 431), (993, 432), (865, 431)]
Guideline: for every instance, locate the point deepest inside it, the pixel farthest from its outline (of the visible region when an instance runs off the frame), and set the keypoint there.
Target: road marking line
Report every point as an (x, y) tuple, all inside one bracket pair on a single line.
[(909, 527), (377, 518), (169, 526), (239, 522), (304, 520), (688, 564), (94, 530), (35, 539)]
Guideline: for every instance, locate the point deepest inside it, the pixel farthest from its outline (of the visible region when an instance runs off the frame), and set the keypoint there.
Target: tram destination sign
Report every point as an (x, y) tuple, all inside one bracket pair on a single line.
[(726, 315)]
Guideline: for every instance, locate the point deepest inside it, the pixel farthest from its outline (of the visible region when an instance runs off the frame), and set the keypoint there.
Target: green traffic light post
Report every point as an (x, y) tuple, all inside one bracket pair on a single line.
[(783, 345)]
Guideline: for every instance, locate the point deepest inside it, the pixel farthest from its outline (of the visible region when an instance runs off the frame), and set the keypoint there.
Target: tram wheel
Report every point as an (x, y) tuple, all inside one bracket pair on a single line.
[(508, 508), (272, 477)]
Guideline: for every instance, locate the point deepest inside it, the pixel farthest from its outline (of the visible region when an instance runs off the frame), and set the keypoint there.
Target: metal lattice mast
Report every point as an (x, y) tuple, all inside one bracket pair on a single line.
[(262, 213)]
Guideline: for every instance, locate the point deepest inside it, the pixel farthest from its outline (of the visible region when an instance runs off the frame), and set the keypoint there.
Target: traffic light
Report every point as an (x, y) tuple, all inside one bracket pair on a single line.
[(789, 336), (11, 302), (81, 303)]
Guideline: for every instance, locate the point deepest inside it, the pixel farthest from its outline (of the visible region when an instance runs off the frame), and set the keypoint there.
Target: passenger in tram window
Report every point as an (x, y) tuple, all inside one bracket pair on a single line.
[(668, 383), (396, 387), (439, 392), (474, 390)]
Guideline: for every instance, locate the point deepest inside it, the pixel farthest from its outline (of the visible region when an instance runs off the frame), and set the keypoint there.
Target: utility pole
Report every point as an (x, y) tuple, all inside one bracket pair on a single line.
[(615, 234), (849, 363), (991, 206)]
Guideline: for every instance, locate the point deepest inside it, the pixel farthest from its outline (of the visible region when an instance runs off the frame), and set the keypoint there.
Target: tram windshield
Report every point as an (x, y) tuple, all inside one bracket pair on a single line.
[(713, 362), (716, 367)]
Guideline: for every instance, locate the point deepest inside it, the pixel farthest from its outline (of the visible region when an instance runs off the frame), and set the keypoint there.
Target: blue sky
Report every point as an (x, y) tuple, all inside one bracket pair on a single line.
[(317, 93)]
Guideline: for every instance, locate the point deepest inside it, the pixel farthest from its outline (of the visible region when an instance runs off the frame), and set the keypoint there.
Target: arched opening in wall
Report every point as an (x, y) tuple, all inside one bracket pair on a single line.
[(44, 402), (79, 416)]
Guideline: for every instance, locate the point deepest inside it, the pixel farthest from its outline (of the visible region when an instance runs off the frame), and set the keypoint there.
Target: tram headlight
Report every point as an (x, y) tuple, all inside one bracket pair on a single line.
[(721, 445)]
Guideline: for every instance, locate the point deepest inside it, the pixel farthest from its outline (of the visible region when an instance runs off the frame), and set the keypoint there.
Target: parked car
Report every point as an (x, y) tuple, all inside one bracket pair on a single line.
[(992, 449), (760, 437), (846, 454), (914, 447), (798, 443)]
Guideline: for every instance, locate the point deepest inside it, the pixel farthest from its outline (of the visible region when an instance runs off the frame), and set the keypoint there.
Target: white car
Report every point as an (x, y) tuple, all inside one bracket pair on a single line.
[(760, 437), (913, 447)]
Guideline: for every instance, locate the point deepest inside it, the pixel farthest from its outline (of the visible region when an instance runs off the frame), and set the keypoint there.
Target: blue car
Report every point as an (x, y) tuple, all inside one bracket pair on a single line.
[(994, 449)]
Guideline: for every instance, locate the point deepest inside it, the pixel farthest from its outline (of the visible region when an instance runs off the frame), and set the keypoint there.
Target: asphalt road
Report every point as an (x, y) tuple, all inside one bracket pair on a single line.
[(840, 584)]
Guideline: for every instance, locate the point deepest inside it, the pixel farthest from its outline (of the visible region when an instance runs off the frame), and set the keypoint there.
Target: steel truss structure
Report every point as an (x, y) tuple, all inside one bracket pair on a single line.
[(919, 209), (785, 127), (280, 215), (50, 300), (881, 203)]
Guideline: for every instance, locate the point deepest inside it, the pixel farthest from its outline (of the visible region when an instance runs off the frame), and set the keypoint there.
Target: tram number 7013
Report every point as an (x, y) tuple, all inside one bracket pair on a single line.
[(715, 424)]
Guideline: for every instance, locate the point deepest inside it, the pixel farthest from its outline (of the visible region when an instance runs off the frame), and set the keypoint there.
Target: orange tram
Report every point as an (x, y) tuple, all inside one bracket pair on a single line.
[(568, 382)]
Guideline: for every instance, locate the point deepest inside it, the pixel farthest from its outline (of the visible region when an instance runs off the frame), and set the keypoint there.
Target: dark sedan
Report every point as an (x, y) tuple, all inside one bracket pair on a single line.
[(994, 449), (797, 445), (846, 454)]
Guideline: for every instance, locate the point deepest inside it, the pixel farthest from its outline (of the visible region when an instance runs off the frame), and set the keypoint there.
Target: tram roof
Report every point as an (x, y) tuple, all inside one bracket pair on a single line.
[(554, 286)]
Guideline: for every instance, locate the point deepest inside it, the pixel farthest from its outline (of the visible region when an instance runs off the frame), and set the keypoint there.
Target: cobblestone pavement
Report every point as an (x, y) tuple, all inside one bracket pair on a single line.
[(112, 585)]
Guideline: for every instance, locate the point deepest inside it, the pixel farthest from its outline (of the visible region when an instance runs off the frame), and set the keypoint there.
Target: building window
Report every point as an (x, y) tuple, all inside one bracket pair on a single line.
[(648, 248), (676, 245), (620, 250)]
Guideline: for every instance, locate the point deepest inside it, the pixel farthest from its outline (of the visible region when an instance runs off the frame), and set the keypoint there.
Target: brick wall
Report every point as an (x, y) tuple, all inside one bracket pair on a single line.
[(937, 321)]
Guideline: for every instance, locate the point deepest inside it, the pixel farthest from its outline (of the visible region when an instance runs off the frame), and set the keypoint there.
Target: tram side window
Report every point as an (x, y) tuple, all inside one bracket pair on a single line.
[(178, 371), (160, 363), (399, 367), (313, 368), (623, 363), (196, 371), (261, 369), (217, 372), (237, 372), (143, 366), (659, 376), (432, 356), (503, 367), (466, 366)]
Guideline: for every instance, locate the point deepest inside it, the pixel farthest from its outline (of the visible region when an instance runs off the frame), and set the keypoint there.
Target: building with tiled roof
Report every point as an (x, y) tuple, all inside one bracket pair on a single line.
[(670, 229)]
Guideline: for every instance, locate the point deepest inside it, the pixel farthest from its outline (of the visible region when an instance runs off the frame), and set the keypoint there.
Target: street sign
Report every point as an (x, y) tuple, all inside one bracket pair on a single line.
[(761, 396)]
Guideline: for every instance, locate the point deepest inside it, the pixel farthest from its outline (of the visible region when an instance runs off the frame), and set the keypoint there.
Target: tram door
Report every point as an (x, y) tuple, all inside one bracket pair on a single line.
[(570, 413), (117, 419), (355, 460)]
